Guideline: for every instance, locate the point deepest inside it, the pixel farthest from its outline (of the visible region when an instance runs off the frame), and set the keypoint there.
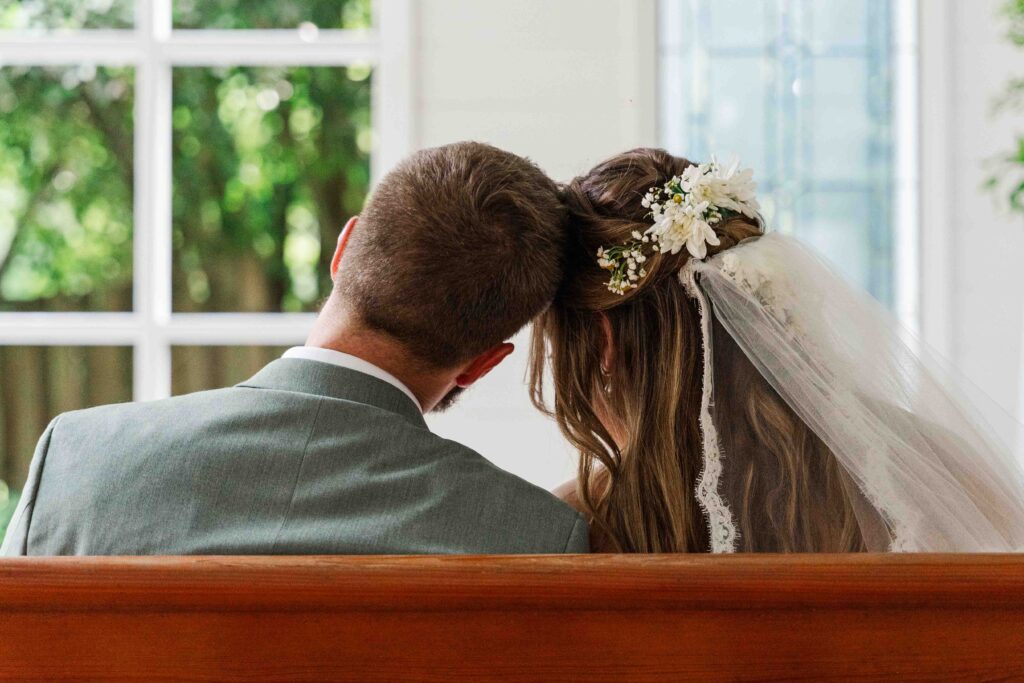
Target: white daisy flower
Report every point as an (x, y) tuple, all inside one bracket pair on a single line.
[(682, 213)]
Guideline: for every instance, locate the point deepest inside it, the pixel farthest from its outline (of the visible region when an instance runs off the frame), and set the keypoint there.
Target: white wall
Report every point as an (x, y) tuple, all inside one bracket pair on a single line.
[(989, 272), (565, 83), (555, 81), (975, 291)]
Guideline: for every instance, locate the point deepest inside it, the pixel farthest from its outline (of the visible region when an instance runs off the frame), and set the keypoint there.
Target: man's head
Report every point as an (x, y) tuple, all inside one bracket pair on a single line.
[(456, 250)]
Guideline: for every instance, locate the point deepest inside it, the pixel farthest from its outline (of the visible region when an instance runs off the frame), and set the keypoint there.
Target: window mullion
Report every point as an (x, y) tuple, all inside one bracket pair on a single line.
[(152, 264), (393, 96), (98, 46)]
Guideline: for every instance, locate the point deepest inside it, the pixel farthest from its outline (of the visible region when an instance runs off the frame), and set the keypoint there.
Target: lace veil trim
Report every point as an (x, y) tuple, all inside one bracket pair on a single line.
[(721, 526)]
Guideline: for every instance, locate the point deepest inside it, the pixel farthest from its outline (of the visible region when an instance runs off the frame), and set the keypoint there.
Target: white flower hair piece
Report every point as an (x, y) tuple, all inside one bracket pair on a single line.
[(683, 210)]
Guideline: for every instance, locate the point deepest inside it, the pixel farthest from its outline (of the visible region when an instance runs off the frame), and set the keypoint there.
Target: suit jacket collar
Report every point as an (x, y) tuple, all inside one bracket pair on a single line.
[(332, 381)]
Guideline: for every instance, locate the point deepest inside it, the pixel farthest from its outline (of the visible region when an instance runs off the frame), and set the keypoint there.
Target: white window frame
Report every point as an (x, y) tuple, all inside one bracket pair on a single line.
[(153, 48)]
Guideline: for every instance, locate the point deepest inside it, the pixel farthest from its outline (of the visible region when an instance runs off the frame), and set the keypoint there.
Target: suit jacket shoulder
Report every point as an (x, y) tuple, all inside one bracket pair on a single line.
[(304, 458), (521, 499)]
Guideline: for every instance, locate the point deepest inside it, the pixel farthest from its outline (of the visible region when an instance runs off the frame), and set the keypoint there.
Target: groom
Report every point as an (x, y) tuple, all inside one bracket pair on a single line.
[(326, 450)]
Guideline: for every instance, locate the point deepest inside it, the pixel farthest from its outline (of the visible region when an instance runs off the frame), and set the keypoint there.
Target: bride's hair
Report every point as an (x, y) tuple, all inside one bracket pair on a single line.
[(642, 497)]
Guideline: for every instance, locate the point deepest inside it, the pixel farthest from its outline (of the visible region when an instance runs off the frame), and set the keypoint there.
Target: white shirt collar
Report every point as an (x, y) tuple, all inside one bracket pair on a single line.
[(351, 362)]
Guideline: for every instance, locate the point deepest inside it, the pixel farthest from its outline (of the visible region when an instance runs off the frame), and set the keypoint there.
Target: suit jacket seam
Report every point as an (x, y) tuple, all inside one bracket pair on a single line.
[(298, 474), (572, 532), (30, 505)]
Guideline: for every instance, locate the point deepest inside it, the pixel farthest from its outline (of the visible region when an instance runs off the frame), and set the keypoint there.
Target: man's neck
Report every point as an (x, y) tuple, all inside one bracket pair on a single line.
[(339, 333)]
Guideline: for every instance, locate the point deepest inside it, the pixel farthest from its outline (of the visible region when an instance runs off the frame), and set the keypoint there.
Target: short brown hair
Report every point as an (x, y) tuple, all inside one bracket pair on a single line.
[(457, 249)]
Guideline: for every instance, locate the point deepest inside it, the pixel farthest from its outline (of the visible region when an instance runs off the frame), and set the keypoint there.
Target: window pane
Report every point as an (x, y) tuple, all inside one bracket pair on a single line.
[(840, 121), (37, 383), (198, 368), (65, 188), (738, 115), (802, 93), (835, 225), (233, 14), (66, 14), (740, 23), (837, 24), (269, 163)]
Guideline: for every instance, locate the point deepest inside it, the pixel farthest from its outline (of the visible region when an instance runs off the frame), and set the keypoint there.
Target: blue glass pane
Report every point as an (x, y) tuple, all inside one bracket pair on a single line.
[(801, 91), (840, 131), (740, 23), (675, 26), (737, 117), (832, 24), (834, 223)]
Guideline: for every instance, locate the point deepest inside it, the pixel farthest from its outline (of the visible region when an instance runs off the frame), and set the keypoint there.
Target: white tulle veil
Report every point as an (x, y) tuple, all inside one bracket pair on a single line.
[(927, 467)]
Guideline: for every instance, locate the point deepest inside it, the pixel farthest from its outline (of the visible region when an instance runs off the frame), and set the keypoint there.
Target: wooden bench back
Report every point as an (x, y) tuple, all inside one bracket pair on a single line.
[(514, 618)]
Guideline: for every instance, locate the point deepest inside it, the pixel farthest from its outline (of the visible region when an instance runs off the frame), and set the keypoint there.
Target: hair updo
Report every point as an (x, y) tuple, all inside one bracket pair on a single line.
[(605, 209), (640, 492)]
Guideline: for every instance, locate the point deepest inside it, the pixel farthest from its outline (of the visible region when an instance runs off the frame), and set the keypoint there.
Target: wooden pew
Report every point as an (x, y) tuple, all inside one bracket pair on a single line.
[(594, 618)]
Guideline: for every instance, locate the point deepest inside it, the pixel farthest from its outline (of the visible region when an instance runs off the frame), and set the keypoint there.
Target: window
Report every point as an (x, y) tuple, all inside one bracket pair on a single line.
[(819, 98), (173, 176)]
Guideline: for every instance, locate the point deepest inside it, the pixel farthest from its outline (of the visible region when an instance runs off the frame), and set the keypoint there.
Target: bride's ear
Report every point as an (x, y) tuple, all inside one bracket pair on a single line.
[(607, 343)]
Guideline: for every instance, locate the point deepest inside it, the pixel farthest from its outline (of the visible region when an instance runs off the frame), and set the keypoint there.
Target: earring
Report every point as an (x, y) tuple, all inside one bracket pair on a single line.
[(606, 384)]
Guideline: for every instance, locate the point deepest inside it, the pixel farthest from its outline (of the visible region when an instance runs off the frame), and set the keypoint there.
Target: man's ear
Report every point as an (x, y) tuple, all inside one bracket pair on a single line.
[(346, 232), (607, 343), (483, 364)]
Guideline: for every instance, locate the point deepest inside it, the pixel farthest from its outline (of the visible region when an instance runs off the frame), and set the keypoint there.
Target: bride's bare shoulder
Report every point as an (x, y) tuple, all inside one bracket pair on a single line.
[(570, 493)]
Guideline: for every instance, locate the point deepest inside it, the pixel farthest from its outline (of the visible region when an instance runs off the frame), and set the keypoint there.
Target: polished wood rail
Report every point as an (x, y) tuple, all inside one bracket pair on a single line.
[(757, 617)]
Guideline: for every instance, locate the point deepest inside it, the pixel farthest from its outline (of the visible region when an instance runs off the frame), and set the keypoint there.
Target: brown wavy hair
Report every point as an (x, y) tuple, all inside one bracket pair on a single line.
[(640, 493)]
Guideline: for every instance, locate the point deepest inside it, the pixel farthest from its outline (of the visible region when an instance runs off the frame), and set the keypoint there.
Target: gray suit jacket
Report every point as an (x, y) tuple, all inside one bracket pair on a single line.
[(303, 458)]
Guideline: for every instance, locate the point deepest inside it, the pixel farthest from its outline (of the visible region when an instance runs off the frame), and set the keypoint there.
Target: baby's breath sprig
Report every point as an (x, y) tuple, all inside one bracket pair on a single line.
[(625, 262)]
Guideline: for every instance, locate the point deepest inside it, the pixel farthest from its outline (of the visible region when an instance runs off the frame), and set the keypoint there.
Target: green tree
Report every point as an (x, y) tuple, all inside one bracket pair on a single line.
[(66, 178), (269, 162)]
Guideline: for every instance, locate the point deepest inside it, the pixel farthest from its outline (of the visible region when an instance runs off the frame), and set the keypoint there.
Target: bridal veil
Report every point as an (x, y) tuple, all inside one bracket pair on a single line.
[(927, 464)]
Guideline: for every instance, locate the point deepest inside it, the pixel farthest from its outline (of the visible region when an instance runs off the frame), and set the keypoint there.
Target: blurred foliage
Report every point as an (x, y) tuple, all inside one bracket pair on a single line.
[(235, 14), (1007, 177), (1014, 11), (65, 188), (66, 14), (268, 164), (8, 501)]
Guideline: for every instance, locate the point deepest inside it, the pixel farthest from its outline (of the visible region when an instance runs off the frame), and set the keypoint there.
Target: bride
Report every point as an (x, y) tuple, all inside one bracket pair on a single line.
[(728, 392)]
